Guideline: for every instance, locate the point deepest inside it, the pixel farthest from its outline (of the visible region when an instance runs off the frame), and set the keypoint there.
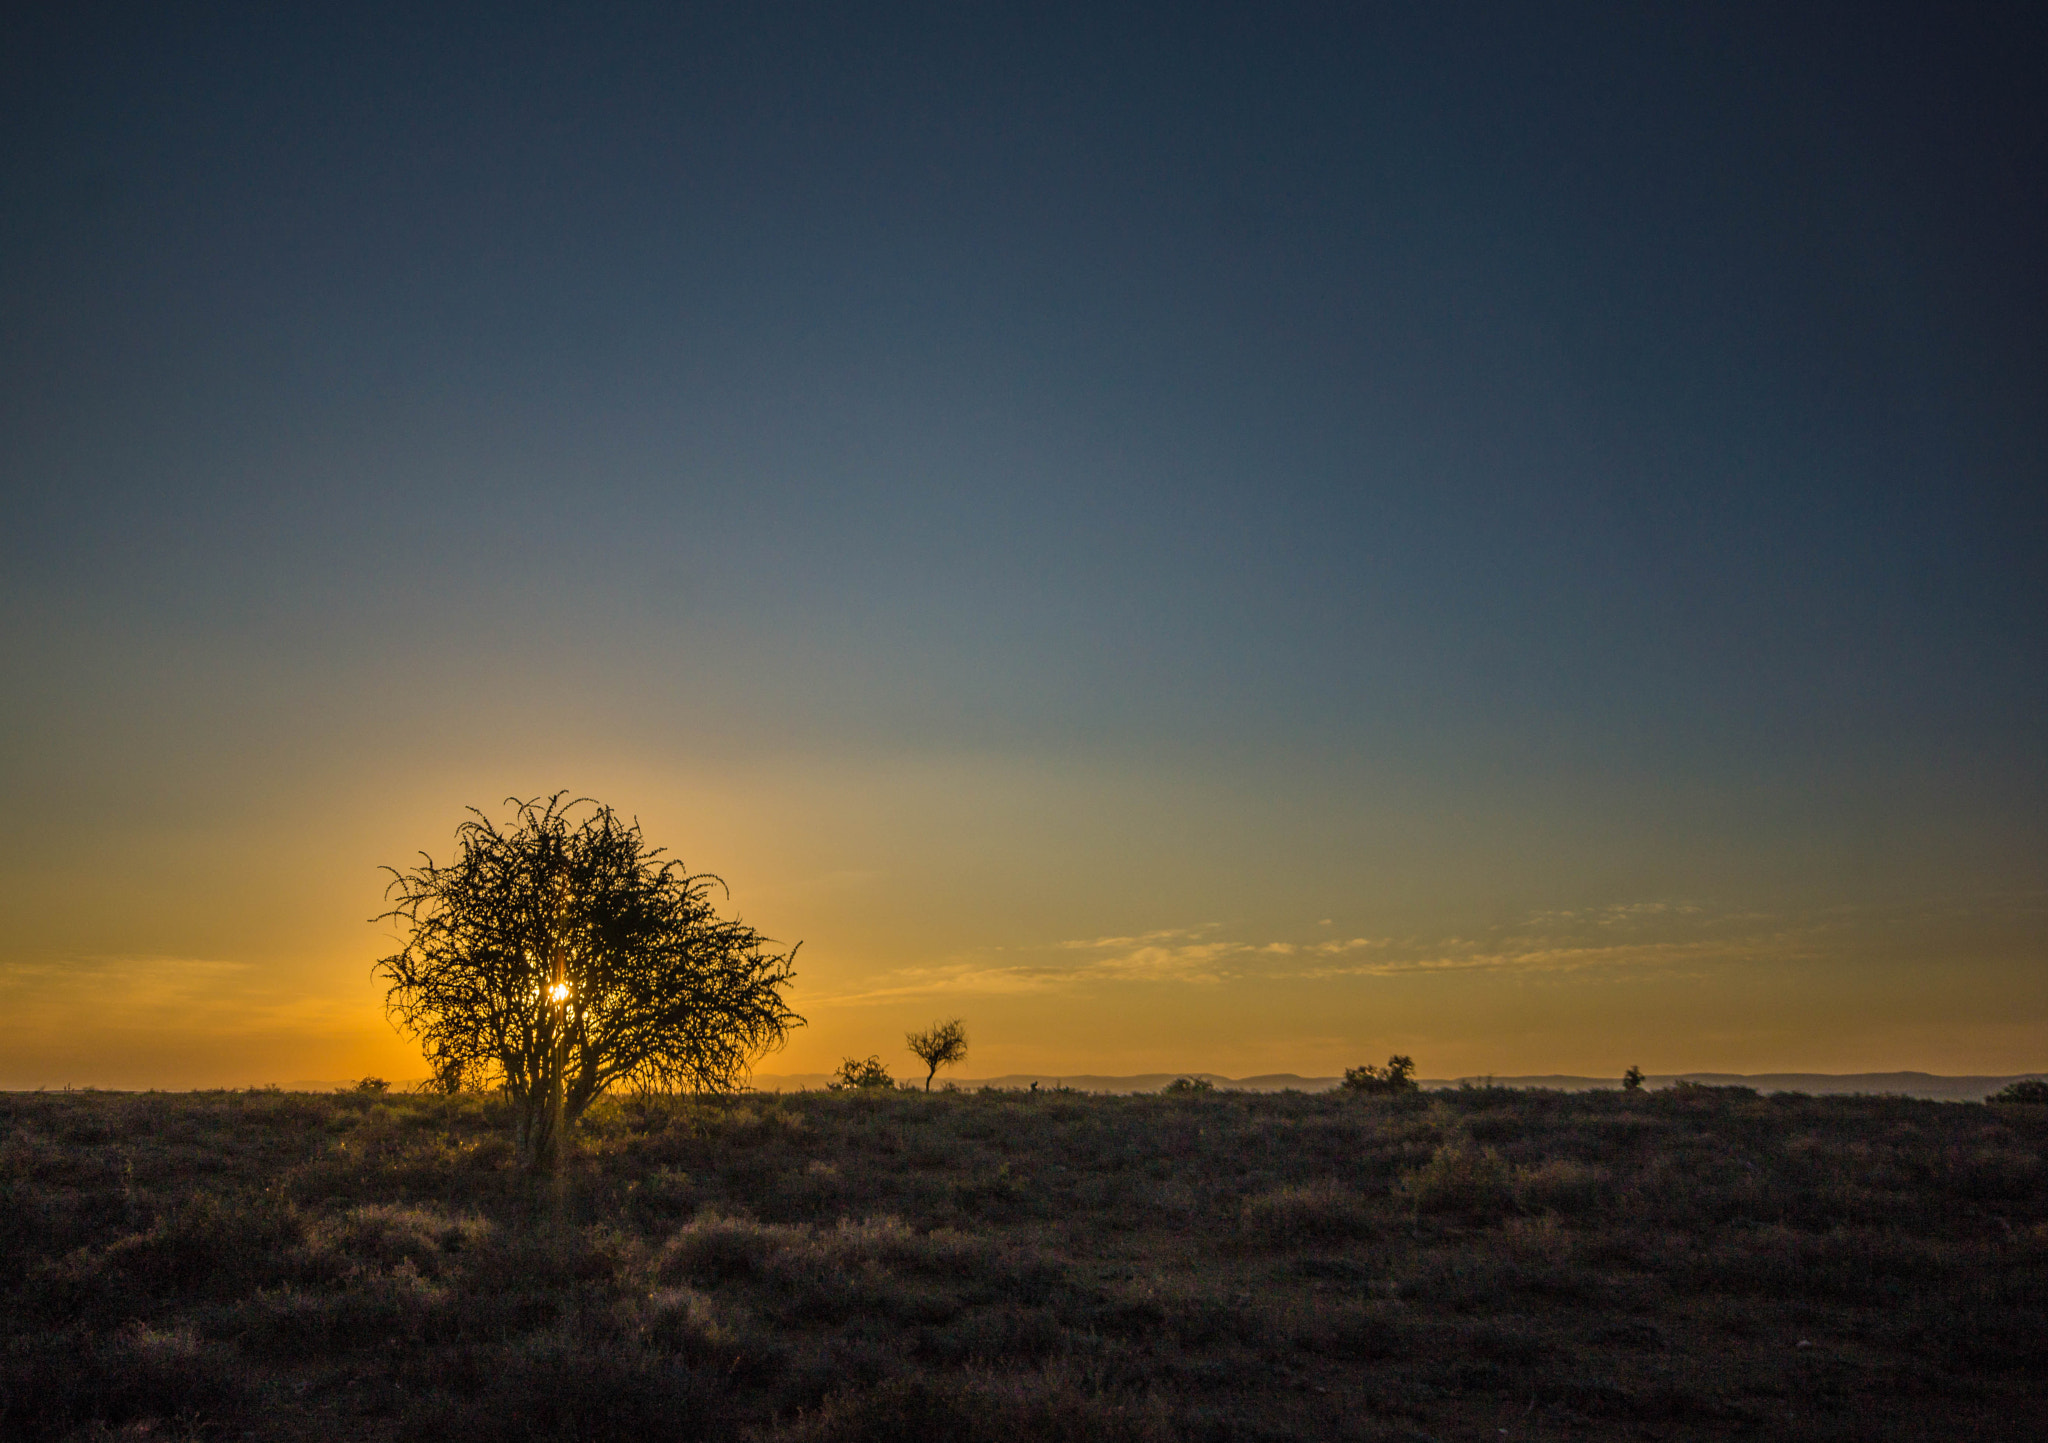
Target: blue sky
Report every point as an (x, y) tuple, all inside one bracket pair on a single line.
[(1111, 472)]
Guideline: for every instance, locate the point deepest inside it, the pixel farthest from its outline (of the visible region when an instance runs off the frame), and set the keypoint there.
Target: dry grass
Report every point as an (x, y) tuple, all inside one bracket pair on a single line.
[(1202, 1266)]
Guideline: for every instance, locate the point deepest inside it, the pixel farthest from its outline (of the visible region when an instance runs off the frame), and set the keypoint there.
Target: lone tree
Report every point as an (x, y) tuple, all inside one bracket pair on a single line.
[(940, 1045), (559, 956)]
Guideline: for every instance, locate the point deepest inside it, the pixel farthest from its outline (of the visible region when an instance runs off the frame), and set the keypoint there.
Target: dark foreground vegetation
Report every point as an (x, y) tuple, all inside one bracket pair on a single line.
[(1488, 1263)]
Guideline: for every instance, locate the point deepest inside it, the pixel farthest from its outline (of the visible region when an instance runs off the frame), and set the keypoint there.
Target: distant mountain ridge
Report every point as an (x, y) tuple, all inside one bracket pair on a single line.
[(1929, 1085), (1820, 1084)]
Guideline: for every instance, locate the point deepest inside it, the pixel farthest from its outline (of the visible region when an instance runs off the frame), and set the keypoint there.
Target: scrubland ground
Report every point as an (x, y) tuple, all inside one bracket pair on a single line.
[(1478, 1264)]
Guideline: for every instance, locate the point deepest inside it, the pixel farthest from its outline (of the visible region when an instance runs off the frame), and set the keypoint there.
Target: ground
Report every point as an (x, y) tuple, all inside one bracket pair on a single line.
[(1476, 1264)]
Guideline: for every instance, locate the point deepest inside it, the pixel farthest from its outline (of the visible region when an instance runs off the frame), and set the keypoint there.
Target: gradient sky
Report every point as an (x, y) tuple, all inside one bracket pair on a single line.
[(1194, 537)]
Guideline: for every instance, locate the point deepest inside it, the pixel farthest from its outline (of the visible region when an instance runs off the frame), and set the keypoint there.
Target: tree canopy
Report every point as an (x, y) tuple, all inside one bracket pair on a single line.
[(559, 956), (940, 1045)]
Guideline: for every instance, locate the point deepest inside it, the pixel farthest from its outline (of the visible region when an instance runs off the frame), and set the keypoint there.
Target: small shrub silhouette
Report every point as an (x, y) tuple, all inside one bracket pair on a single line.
[(1397, 1076), (1632, 1080), (2032, 1090), (1180, 1086), (855, 1074)]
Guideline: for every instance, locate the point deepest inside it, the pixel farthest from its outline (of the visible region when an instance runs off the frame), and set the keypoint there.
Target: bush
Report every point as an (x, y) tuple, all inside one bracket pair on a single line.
[(1181, 1086), (388, 1310), (1560, 1185), (976, 1410), (716, 1249), (208, 1246), (2033, 1090), (1359, 1334), (551, 1390), (1316, 1212), (386, 1235), (854, 1073), (879, 1268), (53, 1384), (1461, 1181), (1397, 1076)]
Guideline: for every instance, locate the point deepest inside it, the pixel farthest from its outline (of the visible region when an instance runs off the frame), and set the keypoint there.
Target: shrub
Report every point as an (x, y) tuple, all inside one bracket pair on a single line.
[(1183, 1085), (688, 1324), (1323, 1211), (386, 1310), (1462, 1181), (854, 1073), (1359, 1334), (1632, 1080), (208, 1246), (2027, 1090), (1560, 1185), (1397, 1076), (552, 1390), (714, 1249), (976, 1410), (385, 1235), (53, 1384)]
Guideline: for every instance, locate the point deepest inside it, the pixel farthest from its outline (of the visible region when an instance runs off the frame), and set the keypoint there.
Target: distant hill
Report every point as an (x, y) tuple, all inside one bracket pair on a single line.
[(1822, 1084)]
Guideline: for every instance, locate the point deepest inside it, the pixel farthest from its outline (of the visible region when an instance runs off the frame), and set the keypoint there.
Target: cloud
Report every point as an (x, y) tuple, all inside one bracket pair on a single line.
[(1621, 937), (1143, 939), (1189, 962), (135, 991)]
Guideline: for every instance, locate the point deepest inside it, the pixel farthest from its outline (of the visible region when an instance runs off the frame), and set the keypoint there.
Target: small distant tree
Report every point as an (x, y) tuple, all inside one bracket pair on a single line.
[(1632, 1080), (2027, 1089), (1397, 1076), (856, 1074), (559, 956), (373, 1084), (940, 1045), (1182, 1085)]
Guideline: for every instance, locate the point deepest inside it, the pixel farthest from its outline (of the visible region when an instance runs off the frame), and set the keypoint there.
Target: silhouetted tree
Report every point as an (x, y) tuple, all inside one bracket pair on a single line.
[(1397, 1076), (559, 956), (1632, 1080), (940, 1045), (854, 1073)]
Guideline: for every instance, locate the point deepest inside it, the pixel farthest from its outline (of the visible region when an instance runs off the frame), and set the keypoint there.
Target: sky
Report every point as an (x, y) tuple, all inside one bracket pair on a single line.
[(1192, 537)]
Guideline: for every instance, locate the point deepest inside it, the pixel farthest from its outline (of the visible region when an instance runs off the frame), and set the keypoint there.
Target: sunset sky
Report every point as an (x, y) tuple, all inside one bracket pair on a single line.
[(1192, 537)]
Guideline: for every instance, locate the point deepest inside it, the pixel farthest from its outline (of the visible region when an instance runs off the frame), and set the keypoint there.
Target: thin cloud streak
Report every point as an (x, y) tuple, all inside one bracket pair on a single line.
[(157, 991), (1549, 942)]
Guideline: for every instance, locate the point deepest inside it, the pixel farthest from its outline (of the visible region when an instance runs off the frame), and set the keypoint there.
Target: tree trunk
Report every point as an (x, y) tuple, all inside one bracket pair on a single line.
[(537, 1137)]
